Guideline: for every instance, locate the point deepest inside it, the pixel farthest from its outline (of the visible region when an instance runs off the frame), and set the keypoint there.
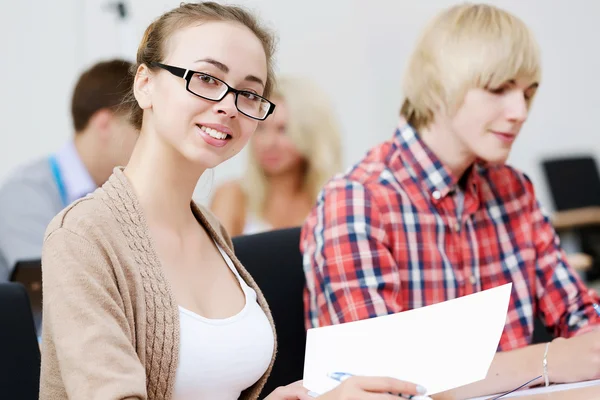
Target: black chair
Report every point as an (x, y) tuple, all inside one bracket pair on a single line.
[(575, 183), (29, 274), (541, 334), (19, 349), (274, 261)]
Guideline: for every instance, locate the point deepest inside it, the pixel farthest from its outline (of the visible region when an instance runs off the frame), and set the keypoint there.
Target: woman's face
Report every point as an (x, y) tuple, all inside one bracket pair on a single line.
[(274, 150), (204, 132)]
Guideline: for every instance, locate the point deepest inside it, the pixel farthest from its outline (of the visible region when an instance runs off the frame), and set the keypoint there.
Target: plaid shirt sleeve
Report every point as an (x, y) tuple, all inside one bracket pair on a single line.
[(346, 258), (565, 305)]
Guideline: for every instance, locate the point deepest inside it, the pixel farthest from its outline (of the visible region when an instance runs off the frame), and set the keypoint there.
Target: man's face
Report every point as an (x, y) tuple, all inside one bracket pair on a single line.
[(489, 120)]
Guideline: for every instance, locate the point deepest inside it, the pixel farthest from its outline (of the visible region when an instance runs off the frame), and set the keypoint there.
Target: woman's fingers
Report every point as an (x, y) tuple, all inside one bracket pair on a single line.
[(388, 385)]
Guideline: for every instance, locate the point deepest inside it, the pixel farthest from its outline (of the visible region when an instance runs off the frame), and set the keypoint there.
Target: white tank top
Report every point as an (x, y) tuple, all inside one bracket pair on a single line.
[(220, 358)]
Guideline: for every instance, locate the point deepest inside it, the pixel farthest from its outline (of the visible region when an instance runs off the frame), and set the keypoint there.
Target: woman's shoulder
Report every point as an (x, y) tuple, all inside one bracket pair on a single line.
[(232, 189), (87, 217), (79, 244), (229, 205)]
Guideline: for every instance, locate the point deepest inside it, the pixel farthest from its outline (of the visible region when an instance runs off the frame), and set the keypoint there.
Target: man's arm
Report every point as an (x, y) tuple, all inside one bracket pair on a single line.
[(25, 212), (565, 306), (508, 371), (351, 274)]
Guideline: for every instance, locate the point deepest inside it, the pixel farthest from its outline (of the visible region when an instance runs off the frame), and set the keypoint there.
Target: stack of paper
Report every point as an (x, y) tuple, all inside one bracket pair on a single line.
[(440, 347)]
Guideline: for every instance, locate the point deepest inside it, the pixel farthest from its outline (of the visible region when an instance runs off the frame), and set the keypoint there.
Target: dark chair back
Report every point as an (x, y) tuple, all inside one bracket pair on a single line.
[(541, 334), (573, 182), (19, 349), (274, 261), (29, 274)]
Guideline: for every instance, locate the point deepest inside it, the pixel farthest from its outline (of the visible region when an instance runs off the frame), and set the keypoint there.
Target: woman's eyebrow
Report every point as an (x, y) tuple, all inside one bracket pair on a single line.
[(225, 69)]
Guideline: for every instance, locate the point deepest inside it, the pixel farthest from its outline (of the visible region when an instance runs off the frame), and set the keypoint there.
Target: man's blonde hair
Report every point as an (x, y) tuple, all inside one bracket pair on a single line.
[(467, 46), (313, 128)]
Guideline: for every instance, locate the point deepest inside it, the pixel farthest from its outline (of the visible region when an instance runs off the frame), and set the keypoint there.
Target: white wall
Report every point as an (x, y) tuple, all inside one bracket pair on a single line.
[(355, 49), (38, 67)]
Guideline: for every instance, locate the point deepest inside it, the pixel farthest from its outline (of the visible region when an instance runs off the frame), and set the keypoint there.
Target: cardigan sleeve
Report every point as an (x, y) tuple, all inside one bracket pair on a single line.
[(88, 343)]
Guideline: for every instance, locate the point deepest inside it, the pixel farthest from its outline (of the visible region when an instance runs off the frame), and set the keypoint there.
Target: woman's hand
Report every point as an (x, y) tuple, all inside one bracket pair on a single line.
[(353, 388), (372, 388)]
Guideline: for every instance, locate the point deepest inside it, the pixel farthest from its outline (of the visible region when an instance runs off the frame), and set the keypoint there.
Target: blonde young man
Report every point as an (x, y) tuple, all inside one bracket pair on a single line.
[(434, 213)]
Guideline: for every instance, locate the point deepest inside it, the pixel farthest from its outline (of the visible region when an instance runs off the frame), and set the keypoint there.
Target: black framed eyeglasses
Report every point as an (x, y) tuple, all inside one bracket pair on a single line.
[(210, 88)]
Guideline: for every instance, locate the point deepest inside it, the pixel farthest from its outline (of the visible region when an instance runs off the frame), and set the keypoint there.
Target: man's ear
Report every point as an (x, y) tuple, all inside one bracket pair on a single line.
[(142, 87), (101, 123), (101, 120)]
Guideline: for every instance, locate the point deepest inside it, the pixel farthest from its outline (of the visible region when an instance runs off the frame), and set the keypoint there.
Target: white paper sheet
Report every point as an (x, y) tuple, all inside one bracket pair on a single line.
[(441, 347), (543, 390)]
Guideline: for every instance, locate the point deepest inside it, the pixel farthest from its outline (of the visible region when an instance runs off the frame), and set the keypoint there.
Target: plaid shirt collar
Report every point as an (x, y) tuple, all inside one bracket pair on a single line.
[(424, 168)]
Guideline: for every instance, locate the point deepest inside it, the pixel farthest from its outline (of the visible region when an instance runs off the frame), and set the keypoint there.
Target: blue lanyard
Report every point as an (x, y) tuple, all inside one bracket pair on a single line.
[(58, 180)]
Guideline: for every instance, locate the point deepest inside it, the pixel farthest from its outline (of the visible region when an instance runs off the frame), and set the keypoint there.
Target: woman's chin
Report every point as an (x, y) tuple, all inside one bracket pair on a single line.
[(206, 159)]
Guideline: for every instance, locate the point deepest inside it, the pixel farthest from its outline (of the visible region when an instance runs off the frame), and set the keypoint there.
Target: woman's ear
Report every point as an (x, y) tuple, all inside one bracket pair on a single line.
[(142, 86)]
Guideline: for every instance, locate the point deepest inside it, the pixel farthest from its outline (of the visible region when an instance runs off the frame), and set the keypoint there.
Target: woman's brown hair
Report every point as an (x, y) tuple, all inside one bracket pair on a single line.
[(153, 45)]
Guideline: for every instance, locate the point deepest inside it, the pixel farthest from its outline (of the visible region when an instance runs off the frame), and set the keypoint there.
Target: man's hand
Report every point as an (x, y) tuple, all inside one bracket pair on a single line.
[(575, 359)]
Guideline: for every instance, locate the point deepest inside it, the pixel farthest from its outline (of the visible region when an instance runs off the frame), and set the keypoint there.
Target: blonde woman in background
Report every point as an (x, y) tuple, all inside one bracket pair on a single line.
[(292, 155)]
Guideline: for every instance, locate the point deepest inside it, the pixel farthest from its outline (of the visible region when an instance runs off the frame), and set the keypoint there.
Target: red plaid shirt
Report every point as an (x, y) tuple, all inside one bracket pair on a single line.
[(397, 233)]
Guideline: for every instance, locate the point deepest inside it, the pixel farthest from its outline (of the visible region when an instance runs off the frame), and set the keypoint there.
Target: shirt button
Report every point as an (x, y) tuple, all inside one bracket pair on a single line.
[(436, 195), (473, 280)]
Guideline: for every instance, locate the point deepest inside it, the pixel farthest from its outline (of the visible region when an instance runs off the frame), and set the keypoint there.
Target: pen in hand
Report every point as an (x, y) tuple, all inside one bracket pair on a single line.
[(342, 376)]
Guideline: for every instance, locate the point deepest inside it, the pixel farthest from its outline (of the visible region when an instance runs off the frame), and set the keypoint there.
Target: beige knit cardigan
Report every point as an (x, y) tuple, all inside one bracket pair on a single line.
[(111, 323)]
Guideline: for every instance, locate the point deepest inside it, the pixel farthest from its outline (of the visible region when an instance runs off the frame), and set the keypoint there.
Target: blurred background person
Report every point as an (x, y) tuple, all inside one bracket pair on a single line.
[(292, 155), (34, 193)]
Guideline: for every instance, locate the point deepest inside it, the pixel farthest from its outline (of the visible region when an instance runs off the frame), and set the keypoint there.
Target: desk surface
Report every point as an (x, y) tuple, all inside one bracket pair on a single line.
[(585, 393), (589, 390), (576, 218)]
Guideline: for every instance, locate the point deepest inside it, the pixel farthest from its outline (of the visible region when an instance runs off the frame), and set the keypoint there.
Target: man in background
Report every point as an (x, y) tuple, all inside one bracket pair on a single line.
[(34, 193)]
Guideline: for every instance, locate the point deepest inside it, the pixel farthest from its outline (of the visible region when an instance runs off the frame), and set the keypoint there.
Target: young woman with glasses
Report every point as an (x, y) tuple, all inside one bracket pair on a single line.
[(143, 295)]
